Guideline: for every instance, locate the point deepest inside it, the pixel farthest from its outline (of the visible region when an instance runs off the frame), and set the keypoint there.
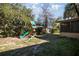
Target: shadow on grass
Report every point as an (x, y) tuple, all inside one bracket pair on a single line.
[(24, 51), (57, 46)]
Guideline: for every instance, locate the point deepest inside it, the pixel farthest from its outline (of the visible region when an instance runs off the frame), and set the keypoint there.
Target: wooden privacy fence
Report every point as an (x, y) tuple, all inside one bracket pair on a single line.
[(71, 25)]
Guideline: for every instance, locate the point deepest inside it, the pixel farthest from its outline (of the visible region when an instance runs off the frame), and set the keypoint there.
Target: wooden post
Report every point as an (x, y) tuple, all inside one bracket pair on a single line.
[(70, 26)]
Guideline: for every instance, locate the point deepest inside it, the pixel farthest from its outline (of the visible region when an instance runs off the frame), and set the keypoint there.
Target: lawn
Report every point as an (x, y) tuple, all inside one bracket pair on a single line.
[(60, 46), (46, 45)]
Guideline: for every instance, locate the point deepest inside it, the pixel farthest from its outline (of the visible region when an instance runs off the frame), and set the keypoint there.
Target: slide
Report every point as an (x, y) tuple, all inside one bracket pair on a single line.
[(24, 34)]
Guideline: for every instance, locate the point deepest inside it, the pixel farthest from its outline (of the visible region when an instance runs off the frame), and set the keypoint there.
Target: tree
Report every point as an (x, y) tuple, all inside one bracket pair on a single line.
[(71, 10), (13, 17), (46, 13), (75, 6)]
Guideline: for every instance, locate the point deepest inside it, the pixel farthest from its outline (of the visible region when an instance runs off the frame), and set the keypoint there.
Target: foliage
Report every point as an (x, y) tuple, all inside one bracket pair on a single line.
[(71, 10), (13, 18), (56, 25)]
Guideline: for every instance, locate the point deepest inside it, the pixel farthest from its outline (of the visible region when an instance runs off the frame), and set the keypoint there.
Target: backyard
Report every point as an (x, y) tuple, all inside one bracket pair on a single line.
[(42, 29), (44, 45)]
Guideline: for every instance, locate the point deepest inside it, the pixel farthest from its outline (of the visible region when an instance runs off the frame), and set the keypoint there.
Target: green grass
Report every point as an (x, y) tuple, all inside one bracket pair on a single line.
[(60, 46), (64, 46)]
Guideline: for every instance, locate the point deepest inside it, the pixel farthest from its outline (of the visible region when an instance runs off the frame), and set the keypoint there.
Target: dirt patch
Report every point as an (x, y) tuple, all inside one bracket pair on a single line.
[(10, 43)]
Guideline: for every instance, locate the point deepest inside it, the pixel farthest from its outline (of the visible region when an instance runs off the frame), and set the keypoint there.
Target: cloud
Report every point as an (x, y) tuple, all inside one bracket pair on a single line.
[(33, 6), (36, 10), (53, 9), (56, 7)]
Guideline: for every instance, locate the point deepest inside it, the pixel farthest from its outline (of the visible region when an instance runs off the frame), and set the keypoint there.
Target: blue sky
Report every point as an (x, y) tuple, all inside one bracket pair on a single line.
[(56, 10)]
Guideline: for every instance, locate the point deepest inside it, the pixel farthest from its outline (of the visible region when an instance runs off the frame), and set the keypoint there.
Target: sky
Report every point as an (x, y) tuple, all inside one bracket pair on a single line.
[(56, 10)]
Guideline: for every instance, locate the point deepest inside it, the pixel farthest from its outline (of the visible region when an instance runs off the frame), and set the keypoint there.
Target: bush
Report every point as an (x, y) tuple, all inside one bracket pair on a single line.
[(13, 19), (38, 30), (55, 31)]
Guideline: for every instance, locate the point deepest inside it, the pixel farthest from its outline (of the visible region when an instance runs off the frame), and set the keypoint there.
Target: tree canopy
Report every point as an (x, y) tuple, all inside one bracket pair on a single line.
[(13, 17), (71, 10)]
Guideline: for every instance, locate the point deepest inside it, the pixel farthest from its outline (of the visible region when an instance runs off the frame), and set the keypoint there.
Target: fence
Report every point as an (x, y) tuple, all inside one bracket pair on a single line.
[(71, 25)]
